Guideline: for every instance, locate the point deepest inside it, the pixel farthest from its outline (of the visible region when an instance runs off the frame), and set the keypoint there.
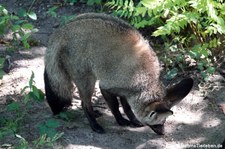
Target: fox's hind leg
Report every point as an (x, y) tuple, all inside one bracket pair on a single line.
[(86, 85), (113, 104)]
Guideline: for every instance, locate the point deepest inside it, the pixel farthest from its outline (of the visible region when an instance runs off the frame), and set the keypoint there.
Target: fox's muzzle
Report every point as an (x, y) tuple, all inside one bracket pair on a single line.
[(159, 129)]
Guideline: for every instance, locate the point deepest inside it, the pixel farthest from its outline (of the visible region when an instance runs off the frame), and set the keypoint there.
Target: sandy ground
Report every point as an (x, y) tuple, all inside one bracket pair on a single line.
[(197, 121)]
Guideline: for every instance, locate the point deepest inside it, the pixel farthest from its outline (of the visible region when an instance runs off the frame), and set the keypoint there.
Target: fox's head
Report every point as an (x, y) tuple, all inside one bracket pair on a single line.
[(157, 112)]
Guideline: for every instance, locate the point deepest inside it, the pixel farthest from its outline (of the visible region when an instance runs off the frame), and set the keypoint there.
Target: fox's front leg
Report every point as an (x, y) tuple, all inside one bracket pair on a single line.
[(129, 113), (113, 104), (86, 85), (88, 110)]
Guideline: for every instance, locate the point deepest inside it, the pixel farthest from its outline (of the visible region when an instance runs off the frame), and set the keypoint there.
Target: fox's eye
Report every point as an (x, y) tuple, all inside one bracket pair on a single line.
[(152, 113)]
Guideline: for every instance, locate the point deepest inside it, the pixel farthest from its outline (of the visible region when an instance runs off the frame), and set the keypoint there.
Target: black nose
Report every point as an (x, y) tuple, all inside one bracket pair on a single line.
[(159, 129)]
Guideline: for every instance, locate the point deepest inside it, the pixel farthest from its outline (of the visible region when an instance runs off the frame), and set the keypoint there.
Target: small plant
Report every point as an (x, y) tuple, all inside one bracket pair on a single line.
[(1, 67), (12, 124), (65, 19), (48, 128), (19, 26), (34, 93), (46, 142), (52, 11), (93, 2)]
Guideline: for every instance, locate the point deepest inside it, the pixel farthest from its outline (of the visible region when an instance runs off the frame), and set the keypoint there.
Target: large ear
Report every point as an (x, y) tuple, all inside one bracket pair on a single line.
[(177, 92)]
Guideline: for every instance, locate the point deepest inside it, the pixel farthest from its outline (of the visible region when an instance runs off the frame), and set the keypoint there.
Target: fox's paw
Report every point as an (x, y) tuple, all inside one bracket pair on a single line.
[(123, 122), (136, 123), (97, 113), (97, 128)]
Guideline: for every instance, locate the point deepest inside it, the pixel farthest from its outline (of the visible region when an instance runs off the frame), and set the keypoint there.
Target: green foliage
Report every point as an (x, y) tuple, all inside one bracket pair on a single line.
[(19, 26), (42, 142), (34, 93), (46, 142), (49, 128), (17, 113), (66, 115), (1, 67), (88, 2), (123, 8), (93, 2), (52, 11), (196, 27), (65, 19)]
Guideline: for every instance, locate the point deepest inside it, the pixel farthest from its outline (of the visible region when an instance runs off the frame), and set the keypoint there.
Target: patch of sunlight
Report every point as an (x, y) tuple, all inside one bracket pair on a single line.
[(71, 146), (153, 143), (140, 129), (189, 143), (186, 117), (212, 122)]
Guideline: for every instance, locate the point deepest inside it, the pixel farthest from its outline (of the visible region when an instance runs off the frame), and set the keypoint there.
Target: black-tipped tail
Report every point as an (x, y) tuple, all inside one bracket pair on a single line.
[(56, 103)]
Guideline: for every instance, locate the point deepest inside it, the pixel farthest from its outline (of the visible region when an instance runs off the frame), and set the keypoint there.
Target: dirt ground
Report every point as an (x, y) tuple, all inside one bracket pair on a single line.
[(197, 121)]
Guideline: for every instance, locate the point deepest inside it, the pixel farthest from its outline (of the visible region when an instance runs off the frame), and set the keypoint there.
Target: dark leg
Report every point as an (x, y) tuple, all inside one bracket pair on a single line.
[(85, 87), (91, 118), (56, 102), (113, 104), (129, 113)]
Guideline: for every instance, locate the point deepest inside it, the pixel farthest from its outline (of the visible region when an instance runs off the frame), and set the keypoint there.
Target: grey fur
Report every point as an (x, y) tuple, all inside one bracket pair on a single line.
[(101, 47)]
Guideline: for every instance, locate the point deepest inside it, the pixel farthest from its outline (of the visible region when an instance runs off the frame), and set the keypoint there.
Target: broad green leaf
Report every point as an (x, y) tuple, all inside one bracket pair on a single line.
[(27, 26), (19, 22), (43, 129), (2, 73), (6, 145), (27, 98), (171, 74), (2, 28), (32, 15), (15, 28), (52, 11), (141, 11), (39, 95), (90, 2), (3, 10), (1, 61), (22, 12), (51, 123), (201, 66), (166, 12), (14, 106), (211, 70), (26, 45), (131, 4), (67, 115)]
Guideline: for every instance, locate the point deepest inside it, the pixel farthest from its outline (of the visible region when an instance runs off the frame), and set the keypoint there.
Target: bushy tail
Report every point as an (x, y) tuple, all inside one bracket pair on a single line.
[(58, 92)]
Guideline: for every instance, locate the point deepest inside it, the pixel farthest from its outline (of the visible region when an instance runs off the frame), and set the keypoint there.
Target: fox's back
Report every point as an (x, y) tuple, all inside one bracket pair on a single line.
[(95, 29), (105, 45)]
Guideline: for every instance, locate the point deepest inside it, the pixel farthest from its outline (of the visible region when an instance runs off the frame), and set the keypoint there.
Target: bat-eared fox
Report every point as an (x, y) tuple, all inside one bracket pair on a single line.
[(105, 48)]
